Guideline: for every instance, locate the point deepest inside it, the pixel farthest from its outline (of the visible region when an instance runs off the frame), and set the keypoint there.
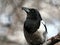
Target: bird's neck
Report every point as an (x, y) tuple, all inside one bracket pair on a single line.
[(32, 17)]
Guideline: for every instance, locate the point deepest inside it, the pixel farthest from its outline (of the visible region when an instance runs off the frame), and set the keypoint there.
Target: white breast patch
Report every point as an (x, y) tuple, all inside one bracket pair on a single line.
[(42, 28)]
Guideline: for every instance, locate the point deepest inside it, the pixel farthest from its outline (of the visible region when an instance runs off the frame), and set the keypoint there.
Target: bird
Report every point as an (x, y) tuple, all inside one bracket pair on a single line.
[(35, 29)]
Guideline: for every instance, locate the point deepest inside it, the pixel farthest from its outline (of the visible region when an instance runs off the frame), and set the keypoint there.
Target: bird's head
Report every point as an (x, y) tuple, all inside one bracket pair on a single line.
[(32, 13)]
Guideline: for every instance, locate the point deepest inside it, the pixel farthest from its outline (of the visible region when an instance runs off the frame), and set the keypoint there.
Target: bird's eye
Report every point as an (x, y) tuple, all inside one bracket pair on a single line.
[(33, 11)]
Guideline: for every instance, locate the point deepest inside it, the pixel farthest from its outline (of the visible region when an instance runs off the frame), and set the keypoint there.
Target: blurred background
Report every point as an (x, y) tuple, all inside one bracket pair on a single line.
[(12, 18)]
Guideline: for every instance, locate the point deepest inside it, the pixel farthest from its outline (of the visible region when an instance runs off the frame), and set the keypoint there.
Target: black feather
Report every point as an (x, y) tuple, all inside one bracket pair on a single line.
[(32, 22)]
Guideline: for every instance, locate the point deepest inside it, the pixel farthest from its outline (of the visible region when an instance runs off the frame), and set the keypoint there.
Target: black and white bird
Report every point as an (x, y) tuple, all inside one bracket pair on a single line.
[(34, 27)]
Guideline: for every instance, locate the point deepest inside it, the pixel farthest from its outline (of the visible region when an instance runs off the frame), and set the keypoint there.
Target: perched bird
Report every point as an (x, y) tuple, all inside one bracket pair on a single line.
[(34, 27)]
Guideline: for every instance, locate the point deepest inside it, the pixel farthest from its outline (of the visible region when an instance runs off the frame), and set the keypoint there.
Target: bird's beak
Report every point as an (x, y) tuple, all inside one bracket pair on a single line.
[(26, 9)]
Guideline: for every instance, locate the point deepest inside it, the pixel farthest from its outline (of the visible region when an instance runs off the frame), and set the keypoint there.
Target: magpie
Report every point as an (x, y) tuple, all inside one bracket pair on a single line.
[(35, 29)]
